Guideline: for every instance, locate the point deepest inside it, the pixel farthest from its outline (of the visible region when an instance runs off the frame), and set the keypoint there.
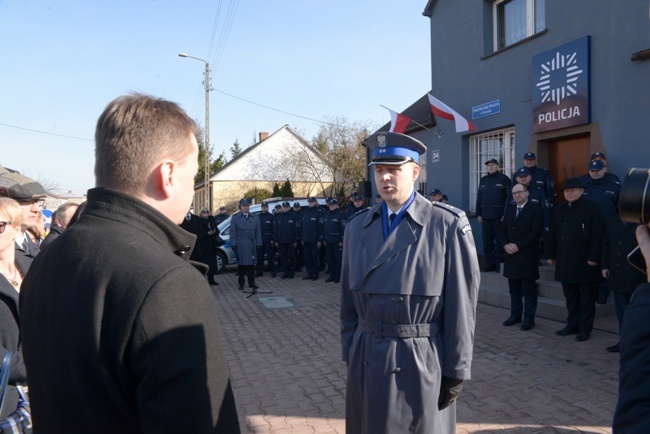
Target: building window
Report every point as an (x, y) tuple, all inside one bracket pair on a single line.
[(515, 20), (483, 147), (421, 182)]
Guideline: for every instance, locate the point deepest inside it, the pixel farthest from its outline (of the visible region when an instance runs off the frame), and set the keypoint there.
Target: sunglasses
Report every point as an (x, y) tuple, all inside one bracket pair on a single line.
[(3, 225)]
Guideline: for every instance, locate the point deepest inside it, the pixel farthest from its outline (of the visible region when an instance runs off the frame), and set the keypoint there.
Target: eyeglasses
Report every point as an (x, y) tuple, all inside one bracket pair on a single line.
[(3, 225), (205, 212)]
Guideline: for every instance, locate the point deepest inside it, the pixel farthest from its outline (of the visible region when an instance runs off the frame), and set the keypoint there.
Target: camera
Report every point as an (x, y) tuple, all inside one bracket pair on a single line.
[(634, 200)]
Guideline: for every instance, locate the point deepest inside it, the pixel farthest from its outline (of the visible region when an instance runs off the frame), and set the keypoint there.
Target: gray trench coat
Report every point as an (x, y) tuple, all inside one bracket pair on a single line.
[(245, 236), (426, 272)]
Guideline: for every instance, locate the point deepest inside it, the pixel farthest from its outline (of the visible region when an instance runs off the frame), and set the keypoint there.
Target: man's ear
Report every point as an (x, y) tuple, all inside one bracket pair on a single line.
[(416, 172), (165, 178)]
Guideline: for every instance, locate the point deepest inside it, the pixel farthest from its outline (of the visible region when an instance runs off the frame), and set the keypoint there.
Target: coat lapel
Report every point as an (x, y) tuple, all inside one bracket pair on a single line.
[(404, 235)]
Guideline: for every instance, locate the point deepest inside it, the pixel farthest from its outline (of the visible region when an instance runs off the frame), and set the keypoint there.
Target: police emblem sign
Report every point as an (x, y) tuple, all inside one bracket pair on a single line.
[(561, 86)]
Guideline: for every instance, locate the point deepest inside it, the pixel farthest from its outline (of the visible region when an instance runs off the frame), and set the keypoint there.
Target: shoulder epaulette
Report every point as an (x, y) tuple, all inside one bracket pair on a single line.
[(452, 209), (358, 213)]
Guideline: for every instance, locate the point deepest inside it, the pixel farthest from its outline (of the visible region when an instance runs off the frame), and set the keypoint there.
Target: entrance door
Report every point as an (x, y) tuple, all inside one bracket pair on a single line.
[(568, 158)]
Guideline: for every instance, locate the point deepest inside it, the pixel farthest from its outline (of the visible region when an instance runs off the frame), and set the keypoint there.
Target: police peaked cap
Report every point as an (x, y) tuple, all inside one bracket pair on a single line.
[(394, 148)]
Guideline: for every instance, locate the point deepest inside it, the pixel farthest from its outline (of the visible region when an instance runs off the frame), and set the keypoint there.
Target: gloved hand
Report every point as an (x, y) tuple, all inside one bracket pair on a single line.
[(449, 390)]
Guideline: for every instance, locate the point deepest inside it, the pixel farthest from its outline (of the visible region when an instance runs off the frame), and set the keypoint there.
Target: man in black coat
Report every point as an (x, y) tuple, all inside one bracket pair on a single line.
[(633, 406), (575, 245), (519, 235), (60, 221), (267, 249), (287, 237), (120, 331), (490, 203), (622, 278)]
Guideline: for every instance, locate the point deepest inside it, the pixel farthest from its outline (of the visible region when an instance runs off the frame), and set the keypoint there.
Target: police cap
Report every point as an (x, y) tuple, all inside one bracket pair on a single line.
[(596, 165), (394, 148), (530, 156), (493, 160), (522, 172)]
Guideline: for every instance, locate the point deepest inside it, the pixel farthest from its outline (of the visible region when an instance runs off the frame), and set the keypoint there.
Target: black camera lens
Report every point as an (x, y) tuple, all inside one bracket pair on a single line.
[(634, 203)]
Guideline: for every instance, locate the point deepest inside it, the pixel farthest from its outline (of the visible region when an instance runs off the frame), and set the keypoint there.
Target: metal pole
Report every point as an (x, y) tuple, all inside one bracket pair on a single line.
[(207, 136)]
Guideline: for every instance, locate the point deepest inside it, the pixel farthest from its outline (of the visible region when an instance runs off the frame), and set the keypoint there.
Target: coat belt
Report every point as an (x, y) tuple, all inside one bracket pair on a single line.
[(378, 329)]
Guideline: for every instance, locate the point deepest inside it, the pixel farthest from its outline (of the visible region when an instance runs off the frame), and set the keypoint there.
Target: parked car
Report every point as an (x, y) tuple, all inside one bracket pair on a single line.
[(225, 255)]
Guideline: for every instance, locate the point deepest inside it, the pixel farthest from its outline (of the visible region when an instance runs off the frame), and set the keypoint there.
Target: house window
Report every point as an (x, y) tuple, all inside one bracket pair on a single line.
[(515, 20), (483, 147)]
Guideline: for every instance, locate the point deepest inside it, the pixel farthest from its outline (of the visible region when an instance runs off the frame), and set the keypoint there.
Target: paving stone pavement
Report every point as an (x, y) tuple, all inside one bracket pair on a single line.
[(287, 376)]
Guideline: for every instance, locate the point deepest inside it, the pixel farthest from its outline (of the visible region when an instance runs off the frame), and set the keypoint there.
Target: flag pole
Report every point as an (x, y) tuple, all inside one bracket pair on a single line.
[(438, 133)]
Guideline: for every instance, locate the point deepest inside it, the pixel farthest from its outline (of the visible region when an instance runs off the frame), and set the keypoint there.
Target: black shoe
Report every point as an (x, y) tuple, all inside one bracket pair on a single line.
[(290, 276), (330, 279), (241, 287), (254, 287), (527, 325), (306, 277), (512, 320), (568, 330), (259, 274), (582, 336), (273, 275), (601, 300), (314, 277), (336, 280), (613, 349), (284, 276), (490, 268)]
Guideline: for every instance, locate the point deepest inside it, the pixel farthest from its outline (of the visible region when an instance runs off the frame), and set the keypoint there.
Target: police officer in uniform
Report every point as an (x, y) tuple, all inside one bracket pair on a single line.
[(605, 192), (245, 240), (220, 216), (435, 195), (541, 179), (287, 236), (312, 237), (409, 282), (333, 239), (599, 156), (490, 204), (357, 205), (300, 257), (267, 248)]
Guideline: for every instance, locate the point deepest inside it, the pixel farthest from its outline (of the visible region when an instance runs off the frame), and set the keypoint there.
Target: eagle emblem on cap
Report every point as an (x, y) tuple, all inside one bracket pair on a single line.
[(381, 140)]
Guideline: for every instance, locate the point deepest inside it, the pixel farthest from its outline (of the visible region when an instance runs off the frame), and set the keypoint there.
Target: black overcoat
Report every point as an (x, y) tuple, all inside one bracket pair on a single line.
[(10, 339), (120, 332), (525, 231), (619, 240), (576, 237)]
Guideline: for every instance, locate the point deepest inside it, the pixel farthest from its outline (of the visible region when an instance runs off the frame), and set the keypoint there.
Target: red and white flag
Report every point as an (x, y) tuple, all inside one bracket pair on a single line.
[(398, 122), (442, 110)]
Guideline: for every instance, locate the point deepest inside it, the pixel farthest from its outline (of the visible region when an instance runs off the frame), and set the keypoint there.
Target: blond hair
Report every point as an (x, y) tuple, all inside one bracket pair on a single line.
[(10, 210)]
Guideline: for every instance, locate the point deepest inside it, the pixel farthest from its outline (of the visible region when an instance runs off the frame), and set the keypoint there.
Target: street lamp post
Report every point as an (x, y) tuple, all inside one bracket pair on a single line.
[(206, 139)]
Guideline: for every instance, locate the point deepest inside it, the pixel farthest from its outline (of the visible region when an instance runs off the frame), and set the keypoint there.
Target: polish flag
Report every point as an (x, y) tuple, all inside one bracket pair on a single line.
[(442, 110), (398, 122)]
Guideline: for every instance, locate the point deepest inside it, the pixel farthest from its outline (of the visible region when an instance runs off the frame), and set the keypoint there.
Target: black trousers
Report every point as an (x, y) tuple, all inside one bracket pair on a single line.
[(287, 258), (312, 260), (269, 250), (492, 250), (300, 261), (248, 271), (334, 260), (526, 289), (581, 304)]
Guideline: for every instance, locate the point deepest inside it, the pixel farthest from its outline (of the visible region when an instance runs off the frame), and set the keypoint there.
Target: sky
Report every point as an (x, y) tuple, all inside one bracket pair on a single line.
[(273, 63)]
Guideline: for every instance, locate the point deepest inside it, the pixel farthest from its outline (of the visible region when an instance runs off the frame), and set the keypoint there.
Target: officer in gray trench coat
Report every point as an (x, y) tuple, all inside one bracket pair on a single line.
[(245, 239), (408, 301)]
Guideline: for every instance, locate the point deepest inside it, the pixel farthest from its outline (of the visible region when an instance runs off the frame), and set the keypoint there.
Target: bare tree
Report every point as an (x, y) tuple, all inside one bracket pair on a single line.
[(339, 141)]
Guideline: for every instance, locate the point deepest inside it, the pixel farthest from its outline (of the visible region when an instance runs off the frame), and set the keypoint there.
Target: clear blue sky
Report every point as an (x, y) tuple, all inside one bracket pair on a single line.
[(64, 60)]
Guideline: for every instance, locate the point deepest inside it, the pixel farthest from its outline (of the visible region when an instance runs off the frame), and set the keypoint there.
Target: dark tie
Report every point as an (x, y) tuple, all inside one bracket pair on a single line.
[(26, 244), (392, 218), (518, 211)]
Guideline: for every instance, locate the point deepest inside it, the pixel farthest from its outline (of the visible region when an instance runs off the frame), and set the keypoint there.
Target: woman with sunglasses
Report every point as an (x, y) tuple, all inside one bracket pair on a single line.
[(12, 271)]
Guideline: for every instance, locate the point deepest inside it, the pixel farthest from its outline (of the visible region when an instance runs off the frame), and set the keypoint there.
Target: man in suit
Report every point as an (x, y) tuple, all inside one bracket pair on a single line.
[(120, 332), (409, 286), (519, 235)]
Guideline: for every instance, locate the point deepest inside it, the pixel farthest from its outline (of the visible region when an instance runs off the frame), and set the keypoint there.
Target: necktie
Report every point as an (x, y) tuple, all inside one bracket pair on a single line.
[(392, 218), (25, 244), (518, 211)]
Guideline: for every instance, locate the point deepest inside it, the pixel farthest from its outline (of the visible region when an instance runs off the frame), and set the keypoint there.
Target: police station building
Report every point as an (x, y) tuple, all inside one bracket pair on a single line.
[(561, 78)]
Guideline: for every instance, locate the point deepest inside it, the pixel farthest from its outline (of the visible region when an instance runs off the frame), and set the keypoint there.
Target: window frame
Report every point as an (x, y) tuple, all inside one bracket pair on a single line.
[(534, 8)]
